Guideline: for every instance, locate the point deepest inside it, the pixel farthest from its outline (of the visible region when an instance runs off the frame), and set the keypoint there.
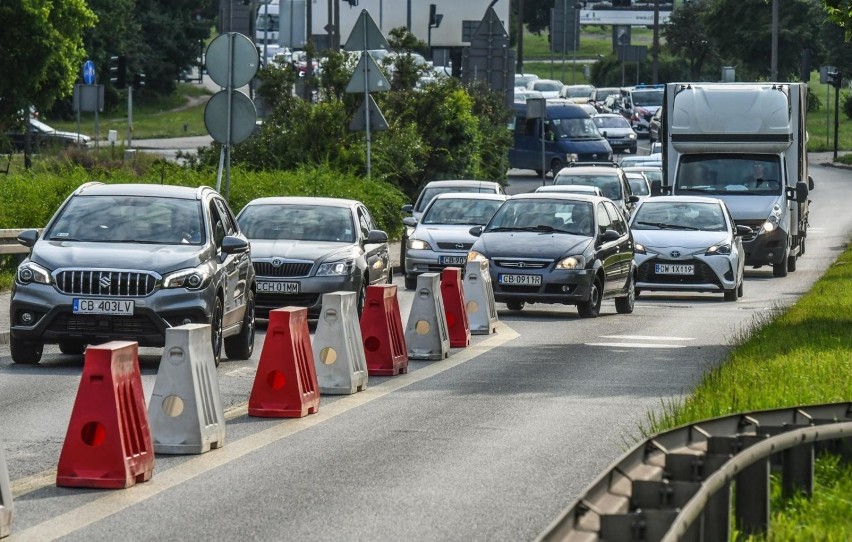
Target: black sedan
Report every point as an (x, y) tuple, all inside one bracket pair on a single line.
[(572, 249), (302, 248)]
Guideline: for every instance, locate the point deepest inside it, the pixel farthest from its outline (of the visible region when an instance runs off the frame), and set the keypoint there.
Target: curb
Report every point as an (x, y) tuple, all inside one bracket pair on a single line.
[(4, 337)]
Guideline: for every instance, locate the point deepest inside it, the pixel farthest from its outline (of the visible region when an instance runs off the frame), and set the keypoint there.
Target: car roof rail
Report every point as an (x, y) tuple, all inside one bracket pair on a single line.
[(606, 163), (86, 185)]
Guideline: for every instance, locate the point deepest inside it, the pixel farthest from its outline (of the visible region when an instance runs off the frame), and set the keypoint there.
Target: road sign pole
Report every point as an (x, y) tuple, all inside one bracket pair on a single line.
[(129, 116), (230, 114), (367, 96)]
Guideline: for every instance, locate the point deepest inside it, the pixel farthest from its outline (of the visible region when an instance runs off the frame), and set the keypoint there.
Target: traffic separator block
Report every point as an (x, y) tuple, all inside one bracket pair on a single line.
[(479, 299), (285, 385), (338, 348), (7, 509), (426, 331), (185, 410), (452, 292), (381, 331), (108, 443)]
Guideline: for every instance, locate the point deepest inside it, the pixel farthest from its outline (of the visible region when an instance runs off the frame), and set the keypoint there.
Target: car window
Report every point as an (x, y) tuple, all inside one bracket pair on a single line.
[(364, 222), (224, 213), (616, 218), (129, 219), (604, 222), (608, 184), (371, 224), (218, 225), (429, 193), (460, 211), (297, 222), (638, 186)]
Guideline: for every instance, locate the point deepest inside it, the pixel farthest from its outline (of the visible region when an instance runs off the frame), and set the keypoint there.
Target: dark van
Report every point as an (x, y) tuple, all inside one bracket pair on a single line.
[(569, 136)]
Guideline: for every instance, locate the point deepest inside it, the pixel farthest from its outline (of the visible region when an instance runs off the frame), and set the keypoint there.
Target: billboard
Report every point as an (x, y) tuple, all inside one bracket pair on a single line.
[(624, 12)]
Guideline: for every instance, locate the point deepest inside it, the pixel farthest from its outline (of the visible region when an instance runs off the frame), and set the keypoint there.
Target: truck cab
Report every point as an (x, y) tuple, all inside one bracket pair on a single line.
[(566, 134), (746, 144)]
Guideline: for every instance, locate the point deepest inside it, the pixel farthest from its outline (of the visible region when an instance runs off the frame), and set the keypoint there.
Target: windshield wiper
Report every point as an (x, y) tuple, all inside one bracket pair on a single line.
[(508, 229), (665, 226)]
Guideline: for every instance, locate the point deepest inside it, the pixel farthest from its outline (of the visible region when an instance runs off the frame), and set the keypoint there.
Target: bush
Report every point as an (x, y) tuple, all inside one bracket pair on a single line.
[(846, 104), (32, 198), (814, 103)]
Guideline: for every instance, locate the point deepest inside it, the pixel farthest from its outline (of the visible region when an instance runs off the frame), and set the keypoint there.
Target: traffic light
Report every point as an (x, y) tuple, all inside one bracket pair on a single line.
[(835, 78), (139, 80), (434, 17), (118, 71)]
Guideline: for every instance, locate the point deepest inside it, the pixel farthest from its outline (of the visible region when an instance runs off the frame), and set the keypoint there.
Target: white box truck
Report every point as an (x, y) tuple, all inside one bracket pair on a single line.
[(745, 143)]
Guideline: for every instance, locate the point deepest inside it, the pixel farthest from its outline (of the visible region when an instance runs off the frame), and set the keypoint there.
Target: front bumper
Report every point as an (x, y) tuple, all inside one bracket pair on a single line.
[(711, 274), (563, 287), (309, 295), (55, 321), (429, 261), (766, 248)]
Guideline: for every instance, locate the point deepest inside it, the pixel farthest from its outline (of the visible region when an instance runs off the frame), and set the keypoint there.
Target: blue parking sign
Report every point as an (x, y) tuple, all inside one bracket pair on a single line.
[(89, 72)]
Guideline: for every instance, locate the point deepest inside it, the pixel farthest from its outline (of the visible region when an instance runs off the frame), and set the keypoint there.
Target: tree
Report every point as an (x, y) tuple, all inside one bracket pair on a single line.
[(840, 12), (42, 53), (687, 37)]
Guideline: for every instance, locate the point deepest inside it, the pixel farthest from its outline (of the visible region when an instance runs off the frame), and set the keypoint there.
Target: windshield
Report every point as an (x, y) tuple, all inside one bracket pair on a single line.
[(736, 174), (638, 186), (611, 122), (575, 129), (547, 86), (653, 174), (609, 184), (542, 215), (429, 193), (655, 215), (522, 80), (130, 219), (578, 91), (459, 211), (646, 98), (297, 222)]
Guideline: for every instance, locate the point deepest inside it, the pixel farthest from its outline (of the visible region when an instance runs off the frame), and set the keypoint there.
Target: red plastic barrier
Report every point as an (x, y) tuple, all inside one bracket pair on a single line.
[(285, 385), (381, 330), (454, 308), (108, 443)]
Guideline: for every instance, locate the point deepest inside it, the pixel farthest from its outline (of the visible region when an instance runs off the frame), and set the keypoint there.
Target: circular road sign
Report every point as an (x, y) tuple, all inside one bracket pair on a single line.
[(243, 117), (243, 65), (89, 72)]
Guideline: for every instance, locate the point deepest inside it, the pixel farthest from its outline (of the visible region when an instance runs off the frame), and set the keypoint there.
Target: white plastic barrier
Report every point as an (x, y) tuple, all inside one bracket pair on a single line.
[(479, 299), (426, 333), (7, 510), (338, 348), (185, 411)]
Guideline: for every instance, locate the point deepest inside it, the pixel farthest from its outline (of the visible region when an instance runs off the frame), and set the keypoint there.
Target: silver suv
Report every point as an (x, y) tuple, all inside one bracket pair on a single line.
[(128, 261)]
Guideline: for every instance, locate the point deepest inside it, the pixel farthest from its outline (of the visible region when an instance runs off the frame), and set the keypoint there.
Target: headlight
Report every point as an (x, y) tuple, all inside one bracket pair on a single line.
[(330, 269), (474, 256), (32, 272), (571, 262), (571, 157), (721, 248), (639, 248), (631, 136), (417, 244), (773, 220), (191, 279)]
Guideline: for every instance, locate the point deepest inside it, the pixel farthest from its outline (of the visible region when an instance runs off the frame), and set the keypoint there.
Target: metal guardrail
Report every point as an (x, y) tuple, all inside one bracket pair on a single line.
[(677, 485), (9, 242)]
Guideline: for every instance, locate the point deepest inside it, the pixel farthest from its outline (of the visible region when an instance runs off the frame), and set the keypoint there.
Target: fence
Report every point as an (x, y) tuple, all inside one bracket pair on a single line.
[(677, 485)]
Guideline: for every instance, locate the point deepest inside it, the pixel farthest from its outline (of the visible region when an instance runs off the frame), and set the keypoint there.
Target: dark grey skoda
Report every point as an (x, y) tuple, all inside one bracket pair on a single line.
[(128, 261)]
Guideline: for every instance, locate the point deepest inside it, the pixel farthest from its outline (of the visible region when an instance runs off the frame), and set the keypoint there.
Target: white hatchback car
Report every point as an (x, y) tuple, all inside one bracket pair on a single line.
[(688, 243)]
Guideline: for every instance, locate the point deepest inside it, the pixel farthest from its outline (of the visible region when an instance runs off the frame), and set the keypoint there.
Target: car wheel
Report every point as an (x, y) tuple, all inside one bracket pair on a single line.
[(780, 269), (216, 331), (402, 253), (515, 305), (555, 166), (731, 295), (72, 348), (241, 345), (591, 308), (624, 305), (410, 282), (740, 289), (362, 295), (25, 352)]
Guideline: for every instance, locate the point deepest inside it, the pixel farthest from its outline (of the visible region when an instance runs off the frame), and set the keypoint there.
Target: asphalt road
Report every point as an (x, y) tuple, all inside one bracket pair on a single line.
[(489, 444)]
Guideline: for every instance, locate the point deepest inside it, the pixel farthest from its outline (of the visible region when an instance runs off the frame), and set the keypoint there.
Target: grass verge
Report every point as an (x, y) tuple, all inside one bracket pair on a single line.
[(798, 356)]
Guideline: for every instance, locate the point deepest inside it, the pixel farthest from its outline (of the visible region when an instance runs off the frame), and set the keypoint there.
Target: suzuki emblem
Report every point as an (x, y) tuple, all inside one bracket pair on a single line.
[(276, 262), (104, 282), (675, 253)]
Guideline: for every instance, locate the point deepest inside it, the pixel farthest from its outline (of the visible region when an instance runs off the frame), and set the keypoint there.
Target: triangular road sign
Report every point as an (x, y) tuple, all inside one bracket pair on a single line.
[(365, 35), (491, 31), (371, 81), (377, 120)]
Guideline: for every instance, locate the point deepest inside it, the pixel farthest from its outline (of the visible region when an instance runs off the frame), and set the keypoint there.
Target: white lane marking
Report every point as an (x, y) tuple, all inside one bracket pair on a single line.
[(117, 501), (637, 345), (647, 338)]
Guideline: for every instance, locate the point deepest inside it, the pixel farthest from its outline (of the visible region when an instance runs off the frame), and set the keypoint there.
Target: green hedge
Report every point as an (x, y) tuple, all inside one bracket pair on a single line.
[(30, 199)]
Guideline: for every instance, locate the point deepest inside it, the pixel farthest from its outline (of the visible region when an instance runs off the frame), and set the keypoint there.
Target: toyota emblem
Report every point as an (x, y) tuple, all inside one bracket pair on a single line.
[(675, 253), (105, 282), (276, 262)]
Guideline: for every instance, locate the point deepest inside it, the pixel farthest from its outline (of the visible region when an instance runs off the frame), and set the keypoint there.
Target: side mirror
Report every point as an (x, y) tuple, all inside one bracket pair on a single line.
[(609, 236), (743, 231), (234, 245), (603, 133), (408, 208), (409, 221), (810, 183), (633, 198), (377, 236), (656, 188), (28, 238), (801, 192), (475, 231)]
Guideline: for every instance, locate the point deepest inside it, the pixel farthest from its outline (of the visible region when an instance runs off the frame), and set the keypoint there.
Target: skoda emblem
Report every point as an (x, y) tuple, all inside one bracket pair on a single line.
[(675, 253), (276, 262), (104, 282)]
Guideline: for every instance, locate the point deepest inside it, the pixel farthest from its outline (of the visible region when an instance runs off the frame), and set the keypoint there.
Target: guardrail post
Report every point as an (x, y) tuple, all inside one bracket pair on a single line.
[(798, 470), (751, 507), (716, 518)]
